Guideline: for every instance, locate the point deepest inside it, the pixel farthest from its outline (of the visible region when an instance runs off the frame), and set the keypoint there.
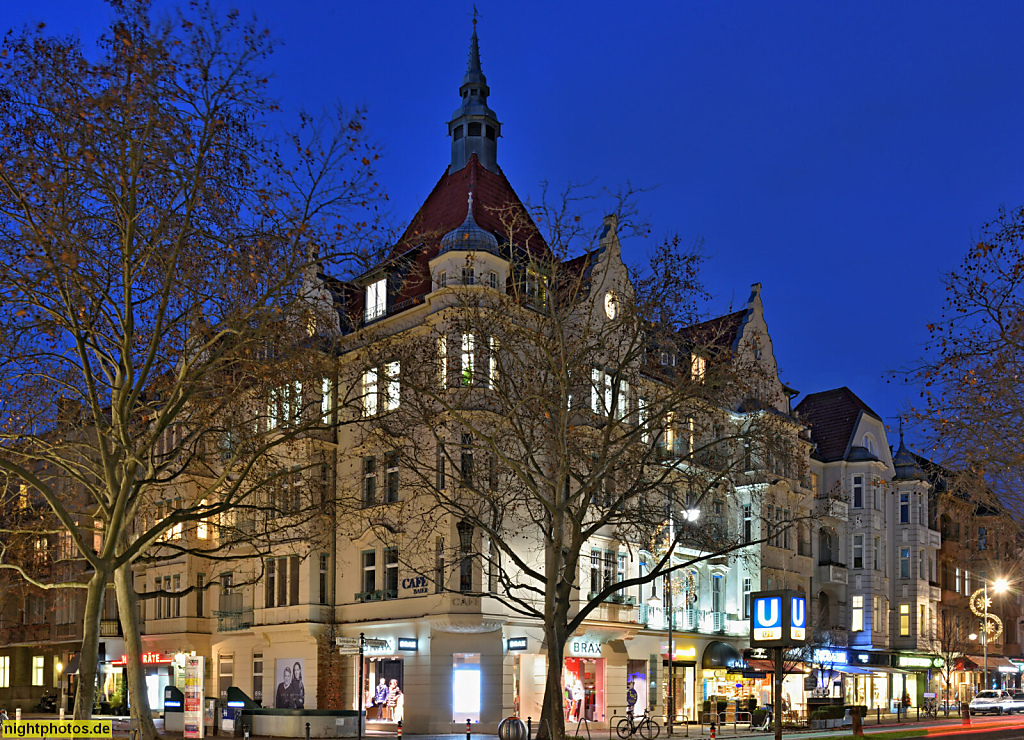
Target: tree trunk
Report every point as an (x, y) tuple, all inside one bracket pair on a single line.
[(552, 714), (128, 610), (90, 645)]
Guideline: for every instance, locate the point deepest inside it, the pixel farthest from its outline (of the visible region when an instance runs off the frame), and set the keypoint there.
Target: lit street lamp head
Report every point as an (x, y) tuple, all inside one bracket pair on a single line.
[(1000, 585)]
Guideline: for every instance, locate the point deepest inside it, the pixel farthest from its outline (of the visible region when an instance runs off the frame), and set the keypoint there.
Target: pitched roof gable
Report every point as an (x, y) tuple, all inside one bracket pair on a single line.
[(833, 416)]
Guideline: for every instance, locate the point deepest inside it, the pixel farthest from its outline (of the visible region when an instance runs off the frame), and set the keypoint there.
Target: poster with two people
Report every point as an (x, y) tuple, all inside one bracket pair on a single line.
[(291, 691)]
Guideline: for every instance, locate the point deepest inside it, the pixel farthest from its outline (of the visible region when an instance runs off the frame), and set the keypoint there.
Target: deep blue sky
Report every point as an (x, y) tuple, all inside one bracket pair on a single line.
[(841, 153)]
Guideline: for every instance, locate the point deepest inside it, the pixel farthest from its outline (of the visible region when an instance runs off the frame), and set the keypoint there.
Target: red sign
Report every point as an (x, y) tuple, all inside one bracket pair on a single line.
[(147, 659)]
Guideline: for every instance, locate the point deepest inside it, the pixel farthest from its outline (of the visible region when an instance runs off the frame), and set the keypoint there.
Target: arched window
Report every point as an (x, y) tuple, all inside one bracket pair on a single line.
[(869, 444)]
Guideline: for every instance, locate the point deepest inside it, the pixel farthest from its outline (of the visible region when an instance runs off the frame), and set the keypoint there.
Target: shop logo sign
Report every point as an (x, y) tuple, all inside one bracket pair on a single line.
[(517, 643), (408, 643), (798, 618), (585, 648), (418, 584), (768, 618), (824, 656), (387, 647)]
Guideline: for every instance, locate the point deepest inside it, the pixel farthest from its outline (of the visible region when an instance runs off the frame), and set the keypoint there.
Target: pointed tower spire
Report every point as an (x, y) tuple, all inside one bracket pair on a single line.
[(474, 128)]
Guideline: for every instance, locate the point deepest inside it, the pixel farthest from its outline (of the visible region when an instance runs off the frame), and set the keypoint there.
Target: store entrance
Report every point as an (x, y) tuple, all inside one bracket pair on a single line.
[(384, 687)]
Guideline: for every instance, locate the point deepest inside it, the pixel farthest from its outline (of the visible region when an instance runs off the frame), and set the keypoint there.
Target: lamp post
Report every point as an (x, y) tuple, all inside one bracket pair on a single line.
[(60, 685)]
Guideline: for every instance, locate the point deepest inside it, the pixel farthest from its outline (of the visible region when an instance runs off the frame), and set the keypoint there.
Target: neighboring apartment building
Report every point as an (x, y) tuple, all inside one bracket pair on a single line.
[(876, 553)]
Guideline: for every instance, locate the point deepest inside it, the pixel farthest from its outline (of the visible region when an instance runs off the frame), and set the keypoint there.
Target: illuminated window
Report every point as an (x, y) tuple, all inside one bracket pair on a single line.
[(37, 670), (492, 361), (202, 527), (326, 402), (442, 361), (904, 620), (467, 367), (698, 368), (376, 300), (857, 614)]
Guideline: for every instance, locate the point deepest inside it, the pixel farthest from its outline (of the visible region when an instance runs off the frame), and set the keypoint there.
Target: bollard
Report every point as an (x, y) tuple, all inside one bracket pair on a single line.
[(918, 712), (399, 735), (966, 715), (529, 728), (307, 731), (878, 715), (712, 730), (17, 714), (245, 731), (468, 730)]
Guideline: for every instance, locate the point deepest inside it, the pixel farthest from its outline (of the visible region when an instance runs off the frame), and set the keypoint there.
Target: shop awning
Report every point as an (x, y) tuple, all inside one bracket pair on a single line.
[(767, 666), (995, 662), (722, 655)]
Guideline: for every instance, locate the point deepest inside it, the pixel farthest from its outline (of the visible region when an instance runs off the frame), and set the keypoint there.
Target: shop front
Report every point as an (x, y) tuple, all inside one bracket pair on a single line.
[(684, 681), (583, 677), (1002, 673), (920, 678), (158, 668), (869, 680), (760, 670), (724, 676)]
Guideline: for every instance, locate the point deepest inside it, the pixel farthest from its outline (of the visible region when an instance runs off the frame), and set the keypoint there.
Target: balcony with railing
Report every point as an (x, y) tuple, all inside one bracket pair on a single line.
[(110, 628), (826, 572), (232, 614)]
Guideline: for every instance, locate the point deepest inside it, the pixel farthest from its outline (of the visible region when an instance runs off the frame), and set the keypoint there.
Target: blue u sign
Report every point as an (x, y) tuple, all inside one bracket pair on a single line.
[(768, 618), (798, 617)]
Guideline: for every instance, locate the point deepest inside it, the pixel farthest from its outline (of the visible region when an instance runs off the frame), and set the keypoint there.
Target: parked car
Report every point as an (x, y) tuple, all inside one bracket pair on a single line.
[(995, 701), (1016, 702)]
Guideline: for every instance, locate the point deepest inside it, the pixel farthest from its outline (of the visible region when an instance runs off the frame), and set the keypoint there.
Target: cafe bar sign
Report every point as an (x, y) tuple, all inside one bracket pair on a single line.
[(918, 661)]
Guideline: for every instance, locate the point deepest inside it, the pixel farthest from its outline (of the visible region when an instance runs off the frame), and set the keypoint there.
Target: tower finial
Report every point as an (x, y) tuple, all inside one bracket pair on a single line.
[(474, 128), (474, 49)]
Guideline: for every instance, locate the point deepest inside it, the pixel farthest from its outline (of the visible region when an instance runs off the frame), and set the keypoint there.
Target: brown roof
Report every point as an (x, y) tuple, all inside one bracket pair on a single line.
[(720, 333), (493, 199), (832, 416)]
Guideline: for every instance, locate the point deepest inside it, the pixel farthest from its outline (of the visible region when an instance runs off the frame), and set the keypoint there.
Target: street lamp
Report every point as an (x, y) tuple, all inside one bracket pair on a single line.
[(991, 626), (60, 683)]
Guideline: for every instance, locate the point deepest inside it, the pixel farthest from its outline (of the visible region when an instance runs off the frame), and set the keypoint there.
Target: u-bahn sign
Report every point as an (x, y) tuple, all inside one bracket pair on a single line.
[(778, 618)]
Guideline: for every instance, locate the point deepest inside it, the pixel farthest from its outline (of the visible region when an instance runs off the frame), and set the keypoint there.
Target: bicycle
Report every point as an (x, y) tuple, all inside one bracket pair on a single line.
[(645, 725), (931, 709)]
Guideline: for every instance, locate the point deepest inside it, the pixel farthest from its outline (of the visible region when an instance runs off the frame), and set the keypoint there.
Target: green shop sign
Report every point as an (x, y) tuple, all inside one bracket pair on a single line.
[(919, 661)]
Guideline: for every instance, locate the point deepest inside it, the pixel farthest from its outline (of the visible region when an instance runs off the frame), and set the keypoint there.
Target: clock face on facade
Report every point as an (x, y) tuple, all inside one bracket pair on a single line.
[(611, 304)]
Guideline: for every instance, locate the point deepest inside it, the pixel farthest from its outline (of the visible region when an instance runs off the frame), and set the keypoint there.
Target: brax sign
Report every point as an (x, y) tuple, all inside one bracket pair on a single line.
[(778, 618), (582, 648), (517, 643)]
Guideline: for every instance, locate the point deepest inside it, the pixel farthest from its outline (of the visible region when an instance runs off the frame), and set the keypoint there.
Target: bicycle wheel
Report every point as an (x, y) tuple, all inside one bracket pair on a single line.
[(649, 729), (623, 728)]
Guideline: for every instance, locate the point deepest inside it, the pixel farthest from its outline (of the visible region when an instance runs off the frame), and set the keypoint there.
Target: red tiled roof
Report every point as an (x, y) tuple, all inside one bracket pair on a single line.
[(445, 209), (832, 416), (721, 333)]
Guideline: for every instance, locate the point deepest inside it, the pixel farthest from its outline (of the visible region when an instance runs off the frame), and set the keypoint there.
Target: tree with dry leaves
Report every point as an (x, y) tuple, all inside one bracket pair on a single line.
[(165, 331), (972, 404)]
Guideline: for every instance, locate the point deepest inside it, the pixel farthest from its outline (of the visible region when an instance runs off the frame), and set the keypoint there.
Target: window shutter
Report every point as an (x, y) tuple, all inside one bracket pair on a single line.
[(294, 582)]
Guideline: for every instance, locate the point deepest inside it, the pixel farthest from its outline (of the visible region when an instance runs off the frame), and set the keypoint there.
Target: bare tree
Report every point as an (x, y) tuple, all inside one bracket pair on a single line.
[(972, 407), (569, 400), (165, 333)]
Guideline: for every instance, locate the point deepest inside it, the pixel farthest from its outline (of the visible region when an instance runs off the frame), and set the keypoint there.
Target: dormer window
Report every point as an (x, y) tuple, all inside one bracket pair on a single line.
[(698, 368), (475, 128), (376, 299), (468, 276), (442, 279), (458, 133), (492, 280)]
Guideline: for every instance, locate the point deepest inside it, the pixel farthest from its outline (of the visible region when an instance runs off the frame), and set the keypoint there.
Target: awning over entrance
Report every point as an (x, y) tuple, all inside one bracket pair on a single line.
[(722, 655), (766, 666), (995, 662)]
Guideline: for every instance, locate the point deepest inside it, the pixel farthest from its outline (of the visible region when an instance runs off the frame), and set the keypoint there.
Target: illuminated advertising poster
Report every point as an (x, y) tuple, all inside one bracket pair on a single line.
[(194, 690)]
